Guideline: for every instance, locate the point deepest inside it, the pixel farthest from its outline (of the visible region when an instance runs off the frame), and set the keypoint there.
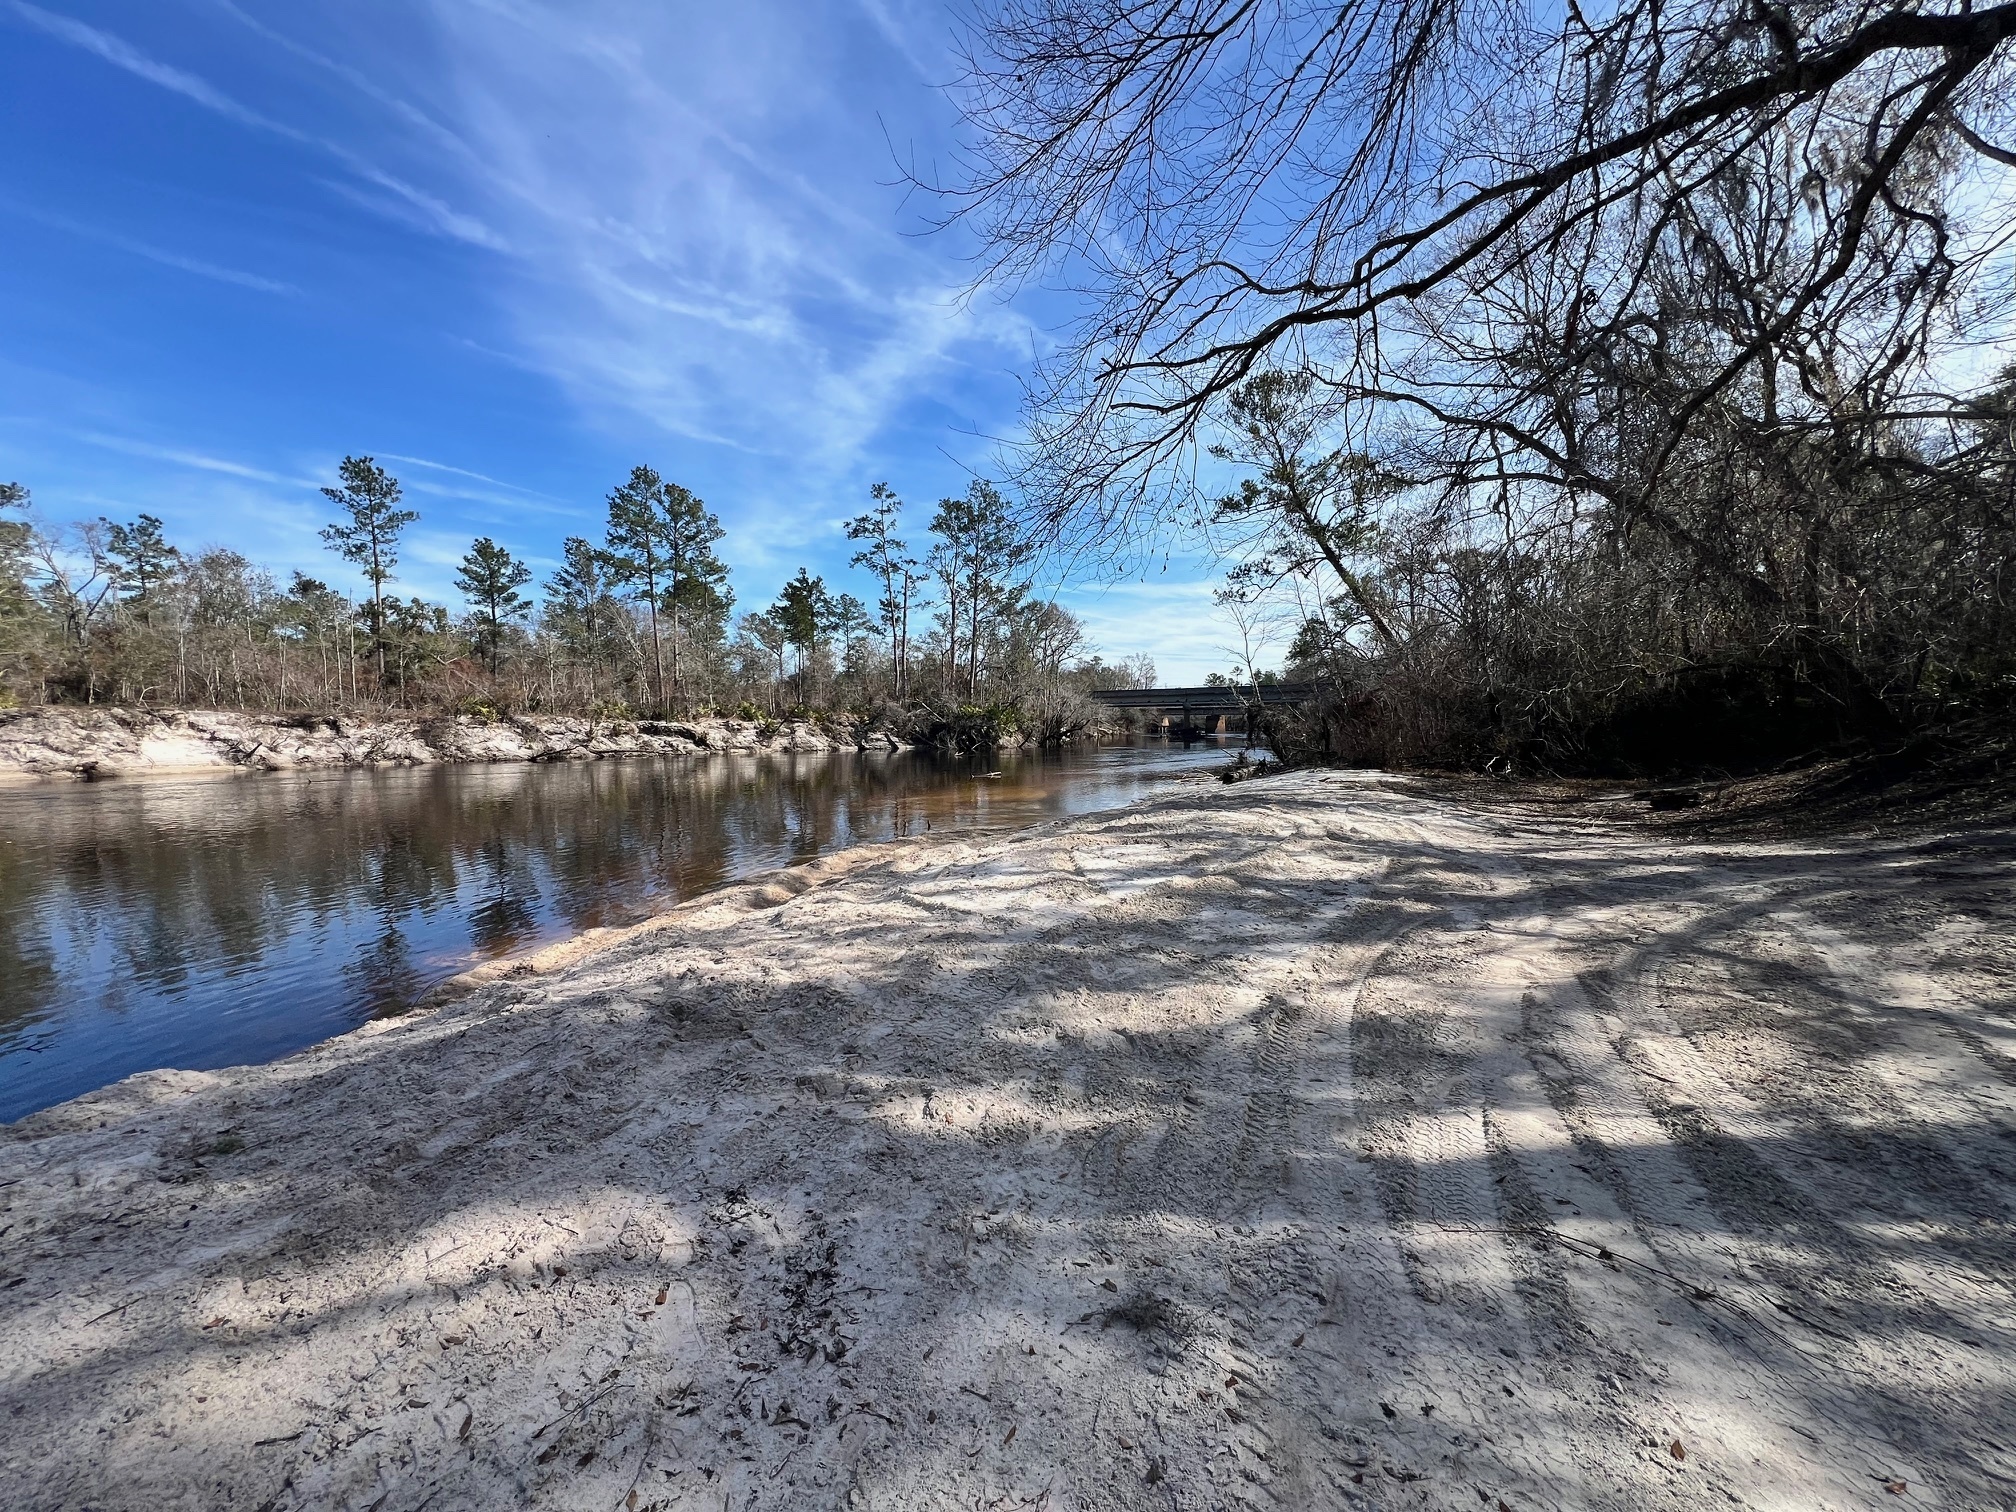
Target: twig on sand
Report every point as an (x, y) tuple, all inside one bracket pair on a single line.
[(578, 1408)]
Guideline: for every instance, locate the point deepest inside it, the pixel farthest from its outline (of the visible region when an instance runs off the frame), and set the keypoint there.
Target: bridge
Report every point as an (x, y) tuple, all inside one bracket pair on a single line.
[(1201, 708)]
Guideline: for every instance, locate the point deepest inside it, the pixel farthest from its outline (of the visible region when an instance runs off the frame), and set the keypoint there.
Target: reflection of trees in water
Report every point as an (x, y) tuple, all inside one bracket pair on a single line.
[(183, 877), (415, 867), (27, 957), (509, 914), (383, 978)]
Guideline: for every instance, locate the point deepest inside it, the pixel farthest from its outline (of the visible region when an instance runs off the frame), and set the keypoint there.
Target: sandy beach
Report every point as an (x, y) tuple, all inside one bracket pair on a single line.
[(1323, 1141)]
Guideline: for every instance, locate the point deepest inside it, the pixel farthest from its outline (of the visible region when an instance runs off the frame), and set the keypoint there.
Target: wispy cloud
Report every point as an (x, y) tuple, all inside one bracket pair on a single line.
[(356, 78), (460, 472), (698, 207), (161, 255), (413, 203), (121, 55), (506, 506), (932, 68), (416, 207), (184, 458), (705, 222), (699, 246)]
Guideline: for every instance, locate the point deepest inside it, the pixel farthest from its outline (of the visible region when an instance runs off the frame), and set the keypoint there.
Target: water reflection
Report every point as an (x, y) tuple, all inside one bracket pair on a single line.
[(214, 921)]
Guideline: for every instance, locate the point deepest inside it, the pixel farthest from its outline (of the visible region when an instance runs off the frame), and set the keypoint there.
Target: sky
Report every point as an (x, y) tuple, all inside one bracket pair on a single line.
[(510, 248)]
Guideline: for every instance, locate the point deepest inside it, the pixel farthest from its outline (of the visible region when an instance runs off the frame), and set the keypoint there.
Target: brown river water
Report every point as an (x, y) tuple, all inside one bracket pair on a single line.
[(219, 920)]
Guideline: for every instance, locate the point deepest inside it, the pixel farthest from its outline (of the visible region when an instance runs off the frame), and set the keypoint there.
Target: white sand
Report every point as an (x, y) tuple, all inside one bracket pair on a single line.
[(1310, 1143)]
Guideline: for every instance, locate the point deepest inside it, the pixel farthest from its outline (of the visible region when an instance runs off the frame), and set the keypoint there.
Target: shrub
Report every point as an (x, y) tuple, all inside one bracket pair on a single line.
[(973, 728)]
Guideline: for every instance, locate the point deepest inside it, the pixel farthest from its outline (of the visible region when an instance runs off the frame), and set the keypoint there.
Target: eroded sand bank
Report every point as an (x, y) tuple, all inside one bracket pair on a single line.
[(93, 743), (1311, 1143)]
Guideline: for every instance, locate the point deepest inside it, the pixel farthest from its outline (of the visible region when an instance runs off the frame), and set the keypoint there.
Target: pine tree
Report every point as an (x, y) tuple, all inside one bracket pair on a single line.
[(579, 606), (852, 623), (636, 554), (370, 540), (696, 592), (490, 578), (979, 550), (804, 612), (142, 560), (16, 540), (884, 555)]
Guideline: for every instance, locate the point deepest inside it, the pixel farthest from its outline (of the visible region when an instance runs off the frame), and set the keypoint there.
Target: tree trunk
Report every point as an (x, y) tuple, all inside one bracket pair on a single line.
[(657, 646), (678, 688), (952, 638), (973, 642)]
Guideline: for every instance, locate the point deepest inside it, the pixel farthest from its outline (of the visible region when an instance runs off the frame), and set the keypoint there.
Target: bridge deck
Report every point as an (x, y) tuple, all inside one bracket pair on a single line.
[(1208, 699)]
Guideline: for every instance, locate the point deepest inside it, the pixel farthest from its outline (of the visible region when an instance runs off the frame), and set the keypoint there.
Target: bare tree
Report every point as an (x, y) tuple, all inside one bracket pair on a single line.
[(1575, 355), (1460, 212)]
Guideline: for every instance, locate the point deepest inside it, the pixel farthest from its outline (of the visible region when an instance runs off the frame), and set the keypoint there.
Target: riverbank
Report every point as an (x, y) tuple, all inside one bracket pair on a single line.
[(1310, 1142), (98, 743)]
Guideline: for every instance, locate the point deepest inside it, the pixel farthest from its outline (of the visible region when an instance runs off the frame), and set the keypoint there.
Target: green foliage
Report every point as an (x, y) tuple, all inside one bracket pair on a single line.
[(978, 561), (142, 560), (315, 597), (16, 541), (887, 557), (697, 589), (369, 538), (762, 637), (807, 616), (804, 611), (417, 639), (490, 578), (1310, 506), (661, 547), (636, 554), (581, 611), (478, 706), (114, 611)]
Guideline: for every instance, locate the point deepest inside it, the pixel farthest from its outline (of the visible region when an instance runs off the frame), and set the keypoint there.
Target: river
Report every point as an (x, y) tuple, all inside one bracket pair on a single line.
[(219, 920)]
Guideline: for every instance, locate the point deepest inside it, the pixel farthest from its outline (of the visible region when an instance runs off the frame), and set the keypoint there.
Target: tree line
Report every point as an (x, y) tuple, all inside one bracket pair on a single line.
[(1584, 388), (641, 622)]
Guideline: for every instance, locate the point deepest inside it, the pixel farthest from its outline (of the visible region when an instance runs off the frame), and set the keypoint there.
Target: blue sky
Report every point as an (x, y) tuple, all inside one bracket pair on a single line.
[(510, 247)]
